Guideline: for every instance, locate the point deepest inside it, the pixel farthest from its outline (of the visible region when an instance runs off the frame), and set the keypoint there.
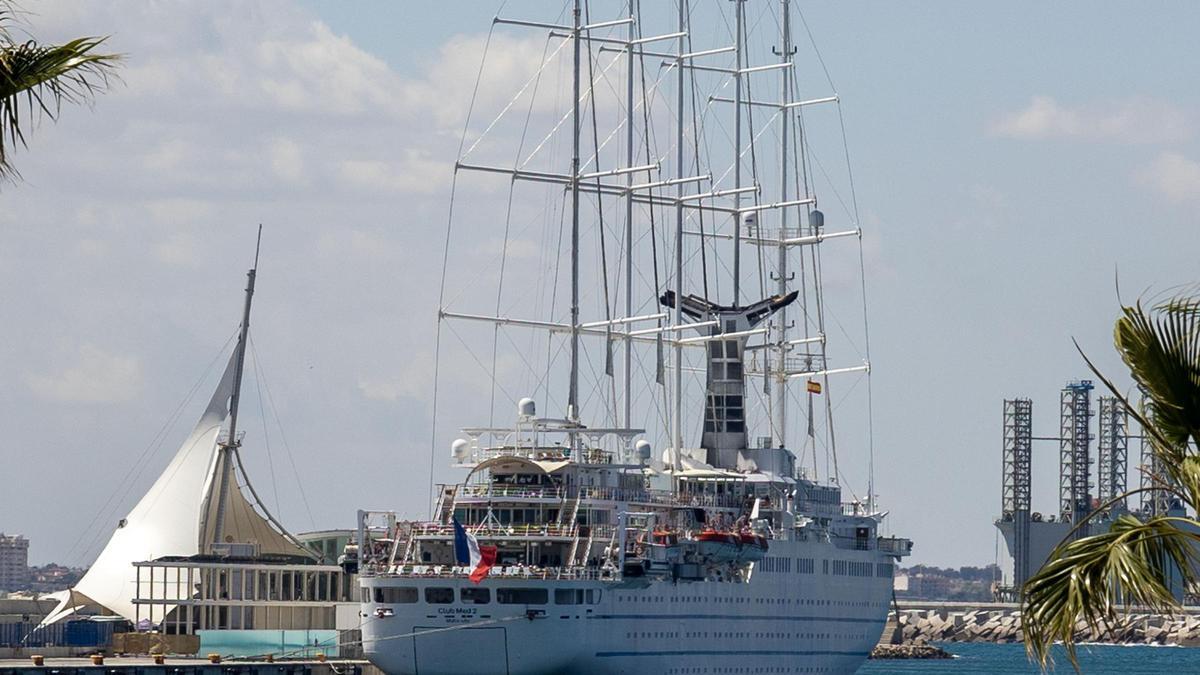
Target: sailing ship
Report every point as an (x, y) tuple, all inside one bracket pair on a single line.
[(572, 545)]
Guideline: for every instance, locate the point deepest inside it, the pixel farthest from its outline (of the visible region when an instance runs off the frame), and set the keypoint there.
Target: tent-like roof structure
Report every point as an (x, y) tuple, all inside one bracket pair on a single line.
[(185, 512)]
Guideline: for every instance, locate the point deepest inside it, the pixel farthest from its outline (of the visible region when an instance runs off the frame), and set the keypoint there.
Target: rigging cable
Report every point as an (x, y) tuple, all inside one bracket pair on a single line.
[(283, 437), (437, 340), (608, 352), (135, 470), (262, 408)]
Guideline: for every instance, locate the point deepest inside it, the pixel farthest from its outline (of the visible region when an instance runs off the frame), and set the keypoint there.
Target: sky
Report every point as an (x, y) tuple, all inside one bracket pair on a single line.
[(1014, 164)]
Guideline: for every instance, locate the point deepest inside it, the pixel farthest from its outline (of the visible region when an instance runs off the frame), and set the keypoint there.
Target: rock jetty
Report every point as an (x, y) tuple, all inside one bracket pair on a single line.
[(1003, 625), (909, 652)]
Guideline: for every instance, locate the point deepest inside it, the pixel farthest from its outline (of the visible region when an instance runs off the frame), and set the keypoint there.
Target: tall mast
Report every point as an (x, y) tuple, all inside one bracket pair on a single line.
[(677, 417), (629, 219), (230, 446), (737, 157), (779, 393), (573, 395)]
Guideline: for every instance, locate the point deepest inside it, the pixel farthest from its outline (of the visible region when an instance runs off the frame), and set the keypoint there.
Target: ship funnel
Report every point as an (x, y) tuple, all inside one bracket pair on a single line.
[(527, 408), (459, 450)]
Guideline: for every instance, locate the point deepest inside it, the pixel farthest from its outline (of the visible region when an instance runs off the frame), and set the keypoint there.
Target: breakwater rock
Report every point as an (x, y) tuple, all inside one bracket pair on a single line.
[(909, 652), (1003, 625)]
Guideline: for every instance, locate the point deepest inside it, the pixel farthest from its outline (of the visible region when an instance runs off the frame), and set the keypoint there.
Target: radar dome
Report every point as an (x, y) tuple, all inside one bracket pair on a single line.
[(459, 449), (526, 408)]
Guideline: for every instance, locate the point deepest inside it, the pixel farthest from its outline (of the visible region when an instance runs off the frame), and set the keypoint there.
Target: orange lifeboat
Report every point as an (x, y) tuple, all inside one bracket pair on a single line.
[(754, 546)]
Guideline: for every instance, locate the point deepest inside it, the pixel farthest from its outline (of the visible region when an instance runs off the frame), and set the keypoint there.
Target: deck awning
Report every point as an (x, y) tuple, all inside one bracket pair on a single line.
[(514, 464)]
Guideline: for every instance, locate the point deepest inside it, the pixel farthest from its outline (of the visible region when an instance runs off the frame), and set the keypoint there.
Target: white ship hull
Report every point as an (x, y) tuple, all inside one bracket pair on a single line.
[(792, 617)]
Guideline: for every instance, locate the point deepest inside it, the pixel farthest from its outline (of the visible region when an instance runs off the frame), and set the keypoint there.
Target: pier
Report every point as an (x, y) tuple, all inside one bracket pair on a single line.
[(145, 665)]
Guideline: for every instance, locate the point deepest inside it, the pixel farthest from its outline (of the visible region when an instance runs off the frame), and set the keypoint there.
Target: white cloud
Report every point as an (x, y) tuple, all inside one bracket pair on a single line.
[(287, 159), (96, 376), (1136, 120), (1172, 175)]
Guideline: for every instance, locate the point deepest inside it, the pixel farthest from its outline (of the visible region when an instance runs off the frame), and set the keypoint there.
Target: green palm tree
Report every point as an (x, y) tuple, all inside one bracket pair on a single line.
[(1095, 579), (35, 80)]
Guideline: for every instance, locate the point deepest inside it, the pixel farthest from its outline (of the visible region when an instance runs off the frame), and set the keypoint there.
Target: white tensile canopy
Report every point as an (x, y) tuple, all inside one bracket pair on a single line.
[(174, 518)]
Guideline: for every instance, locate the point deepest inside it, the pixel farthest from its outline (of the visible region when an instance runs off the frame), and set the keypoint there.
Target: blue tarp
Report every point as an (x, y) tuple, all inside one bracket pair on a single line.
[(71, 633), (281, 643)]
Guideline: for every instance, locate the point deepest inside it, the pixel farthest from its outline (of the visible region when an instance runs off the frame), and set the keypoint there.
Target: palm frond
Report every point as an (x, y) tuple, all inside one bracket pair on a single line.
[(36, 79), (1162, 350), (1091, 578)]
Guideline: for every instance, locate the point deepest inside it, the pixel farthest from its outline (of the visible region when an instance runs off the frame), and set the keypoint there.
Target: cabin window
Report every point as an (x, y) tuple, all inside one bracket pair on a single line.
[(439, 596), (568, 596), (476, 596), (366, 594), (593, 596), (522, 596), (395, 595)]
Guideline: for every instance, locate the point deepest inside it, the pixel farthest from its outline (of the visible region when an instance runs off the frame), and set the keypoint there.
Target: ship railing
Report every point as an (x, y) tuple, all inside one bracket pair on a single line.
[(492, 490), (530, 572), (532, 530), (721, 501), (895, 545)]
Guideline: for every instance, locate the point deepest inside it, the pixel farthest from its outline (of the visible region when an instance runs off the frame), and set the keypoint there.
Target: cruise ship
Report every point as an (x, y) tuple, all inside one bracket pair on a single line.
[(665, 517)]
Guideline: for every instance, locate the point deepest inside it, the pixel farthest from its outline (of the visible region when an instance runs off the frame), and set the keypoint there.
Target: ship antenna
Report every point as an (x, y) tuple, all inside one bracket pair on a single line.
[(573, 399), (229, 447)]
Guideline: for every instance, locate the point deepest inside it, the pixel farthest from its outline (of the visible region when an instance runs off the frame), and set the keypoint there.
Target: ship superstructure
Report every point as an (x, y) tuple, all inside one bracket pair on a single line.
[(614, 553)]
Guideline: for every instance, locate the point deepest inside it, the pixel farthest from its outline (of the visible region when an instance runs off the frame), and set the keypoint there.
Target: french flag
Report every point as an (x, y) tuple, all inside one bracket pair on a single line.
[(469, 553)]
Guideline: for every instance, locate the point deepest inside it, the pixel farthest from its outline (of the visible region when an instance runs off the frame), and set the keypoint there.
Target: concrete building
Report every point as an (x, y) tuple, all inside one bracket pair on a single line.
[(14, 562)]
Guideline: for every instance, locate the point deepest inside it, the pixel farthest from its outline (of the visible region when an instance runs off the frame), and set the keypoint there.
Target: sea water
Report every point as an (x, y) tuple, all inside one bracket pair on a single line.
[(992, 659)]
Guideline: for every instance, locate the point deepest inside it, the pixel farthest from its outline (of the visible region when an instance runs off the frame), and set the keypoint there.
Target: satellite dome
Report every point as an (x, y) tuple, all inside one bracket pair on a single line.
[(526, 408), (643, 450), (459, 449)]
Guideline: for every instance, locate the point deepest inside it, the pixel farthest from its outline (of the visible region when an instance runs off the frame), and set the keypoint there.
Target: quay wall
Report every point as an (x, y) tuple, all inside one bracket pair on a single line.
[(918, 624)]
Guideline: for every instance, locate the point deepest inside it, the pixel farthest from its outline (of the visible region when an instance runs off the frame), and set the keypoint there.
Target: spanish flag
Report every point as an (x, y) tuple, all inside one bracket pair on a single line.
[(814, 387)]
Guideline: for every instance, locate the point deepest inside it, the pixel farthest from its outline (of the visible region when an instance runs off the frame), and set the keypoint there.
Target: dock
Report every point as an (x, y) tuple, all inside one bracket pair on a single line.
[(145, 665)]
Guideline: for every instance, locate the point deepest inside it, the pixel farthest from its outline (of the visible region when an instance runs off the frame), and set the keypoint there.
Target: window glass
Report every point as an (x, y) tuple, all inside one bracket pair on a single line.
[(439, 596), (396, 595), (731, 349), (476, 596), (565, 596), (593, 596), (366, 594), (521, 596)]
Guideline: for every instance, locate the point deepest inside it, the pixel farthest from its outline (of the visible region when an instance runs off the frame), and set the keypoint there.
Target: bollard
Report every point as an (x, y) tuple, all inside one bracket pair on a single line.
[(97, 659), (38, 659), (214, 658), (159, 659), (321, 657)]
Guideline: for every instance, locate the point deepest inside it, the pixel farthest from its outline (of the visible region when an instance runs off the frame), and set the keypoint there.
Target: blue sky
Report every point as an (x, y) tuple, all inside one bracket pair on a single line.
[(1011, 162)]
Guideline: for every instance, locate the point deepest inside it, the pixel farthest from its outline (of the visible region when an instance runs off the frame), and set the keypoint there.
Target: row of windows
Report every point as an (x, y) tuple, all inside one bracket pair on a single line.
[(843, 568), (402, 595), (883, 570)]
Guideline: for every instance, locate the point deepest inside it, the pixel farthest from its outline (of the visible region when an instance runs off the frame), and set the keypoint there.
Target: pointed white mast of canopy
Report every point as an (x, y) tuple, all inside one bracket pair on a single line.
[(229, 447), (172, 517)]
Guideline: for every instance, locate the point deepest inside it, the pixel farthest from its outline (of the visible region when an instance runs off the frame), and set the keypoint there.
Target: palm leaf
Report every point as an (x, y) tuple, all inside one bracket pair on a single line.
[(1089, 580), (36, 79)]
